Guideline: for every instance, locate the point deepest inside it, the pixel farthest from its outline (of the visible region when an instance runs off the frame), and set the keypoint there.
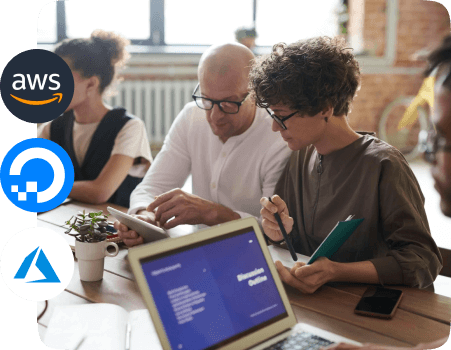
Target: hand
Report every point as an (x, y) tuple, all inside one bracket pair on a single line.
[(184, 208), (308, 278), (130, 237), (269, 222)]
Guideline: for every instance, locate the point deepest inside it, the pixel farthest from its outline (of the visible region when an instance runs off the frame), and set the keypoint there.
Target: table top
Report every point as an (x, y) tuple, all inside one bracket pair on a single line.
[(422, 316)]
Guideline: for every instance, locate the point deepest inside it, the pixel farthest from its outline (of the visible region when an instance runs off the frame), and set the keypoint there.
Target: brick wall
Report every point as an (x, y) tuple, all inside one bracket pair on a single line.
[(421, 25), (377, 91)]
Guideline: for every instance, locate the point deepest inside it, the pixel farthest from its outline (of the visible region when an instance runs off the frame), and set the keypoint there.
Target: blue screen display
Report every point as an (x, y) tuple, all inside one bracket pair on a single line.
[(208, 294)]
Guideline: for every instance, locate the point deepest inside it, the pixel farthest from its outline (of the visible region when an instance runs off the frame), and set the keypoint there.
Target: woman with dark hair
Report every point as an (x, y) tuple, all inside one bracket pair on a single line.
[(307, 88), (108, 147)]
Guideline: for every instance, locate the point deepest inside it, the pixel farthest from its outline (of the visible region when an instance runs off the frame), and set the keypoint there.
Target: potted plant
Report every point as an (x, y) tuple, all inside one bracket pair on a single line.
[(91, 246)]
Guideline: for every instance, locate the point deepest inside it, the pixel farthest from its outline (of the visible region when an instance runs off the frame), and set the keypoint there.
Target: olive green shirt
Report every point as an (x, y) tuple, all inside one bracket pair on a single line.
[(369, 179)]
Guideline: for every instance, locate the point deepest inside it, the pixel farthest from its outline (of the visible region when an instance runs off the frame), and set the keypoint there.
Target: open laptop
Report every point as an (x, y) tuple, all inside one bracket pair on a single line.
[(219, 289)]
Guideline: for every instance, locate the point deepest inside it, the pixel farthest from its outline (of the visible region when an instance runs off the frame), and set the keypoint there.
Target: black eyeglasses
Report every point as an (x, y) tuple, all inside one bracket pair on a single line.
[(229, 107), (280, 120), (431, 143)]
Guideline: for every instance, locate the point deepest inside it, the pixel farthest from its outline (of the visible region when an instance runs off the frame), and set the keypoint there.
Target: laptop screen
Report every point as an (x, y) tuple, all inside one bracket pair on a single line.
[(213, 292)]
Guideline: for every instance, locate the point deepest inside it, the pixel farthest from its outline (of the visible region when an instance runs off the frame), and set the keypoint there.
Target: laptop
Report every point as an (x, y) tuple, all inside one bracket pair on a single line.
[(218, 288)]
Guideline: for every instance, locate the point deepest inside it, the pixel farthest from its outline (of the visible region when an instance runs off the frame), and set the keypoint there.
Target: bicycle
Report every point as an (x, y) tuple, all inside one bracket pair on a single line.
[(414, 112)]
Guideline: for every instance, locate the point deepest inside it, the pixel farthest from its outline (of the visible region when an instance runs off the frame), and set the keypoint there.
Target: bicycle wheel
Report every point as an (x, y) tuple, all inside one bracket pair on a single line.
[(406, 138)]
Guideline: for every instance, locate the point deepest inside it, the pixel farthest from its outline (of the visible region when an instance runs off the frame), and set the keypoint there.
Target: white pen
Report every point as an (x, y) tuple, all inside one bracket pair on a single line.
[(127, 336)]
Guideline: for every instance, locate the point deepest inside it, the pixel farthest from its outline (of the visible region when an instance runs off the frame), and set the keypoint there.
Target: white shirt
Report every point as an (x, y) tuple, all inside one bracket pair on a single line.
[(130, 141), (235, 174)]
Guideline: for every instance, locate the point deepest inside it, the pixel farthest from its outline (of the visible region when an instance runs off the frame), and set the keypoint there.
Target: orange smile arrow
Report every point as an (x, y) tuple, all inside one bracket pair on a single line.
[(37, 103)]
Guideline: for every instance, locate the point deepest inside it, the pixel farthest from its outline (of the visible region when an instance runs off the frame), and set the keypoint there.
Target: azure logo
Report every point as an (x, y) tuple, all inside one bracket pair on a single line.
[(42, 263), (37, 175), (37, 86), (37, 263)]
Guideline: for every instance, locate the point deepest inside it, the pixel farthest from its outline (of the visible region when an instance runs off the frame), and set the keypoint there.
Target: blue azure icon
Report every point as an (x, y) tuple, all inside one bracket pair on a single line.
[(42, 263)]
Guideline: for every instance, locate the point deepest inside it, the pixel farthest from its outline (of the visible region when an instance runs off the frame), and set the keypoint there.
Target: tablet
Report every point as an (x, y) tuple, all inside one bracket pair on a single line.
[(147, 231)]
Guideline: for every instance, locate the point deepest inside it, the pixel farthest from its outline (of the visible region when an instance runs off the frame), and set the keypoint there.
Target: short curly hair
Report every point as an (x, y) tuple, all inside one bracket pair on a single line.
[(441, 54), (309, 76)]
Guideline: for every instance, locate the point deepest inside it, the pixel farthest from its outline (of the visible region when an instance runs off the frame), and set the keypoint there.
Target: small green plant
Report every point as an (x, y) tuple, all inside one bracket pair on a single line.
[(89, 227)]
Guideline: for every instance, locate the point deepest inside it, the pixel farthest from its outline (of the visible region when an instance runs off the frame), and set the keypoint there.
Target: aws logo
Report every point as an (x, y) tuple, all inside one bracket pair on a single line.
[(37, 86)]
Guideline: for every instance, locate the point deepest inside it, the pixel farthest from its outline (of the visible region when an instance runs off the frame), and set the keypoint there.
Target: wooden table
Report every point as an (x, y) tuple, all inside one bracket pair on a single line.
[(423, 316)]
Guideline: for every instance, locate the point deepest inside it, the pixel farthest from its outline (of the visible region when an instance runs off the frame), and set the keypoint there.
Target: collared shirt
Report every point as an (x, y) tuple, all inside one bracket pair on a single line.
[(235, 174)]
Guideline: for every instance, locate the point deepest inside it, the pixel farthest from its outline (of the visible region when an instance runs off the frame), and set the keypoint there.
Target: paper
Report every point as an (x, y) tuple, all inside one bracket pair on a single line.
[(101, 325), (143, 335), (284, 256)]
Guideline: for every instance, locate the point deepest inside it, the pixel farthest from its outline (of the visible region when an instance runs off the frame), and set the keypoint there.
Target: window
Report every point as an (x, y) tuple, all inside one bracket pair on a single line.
[(47, 23), (130, 18), (292, 20), (205, 22), (193, 22)]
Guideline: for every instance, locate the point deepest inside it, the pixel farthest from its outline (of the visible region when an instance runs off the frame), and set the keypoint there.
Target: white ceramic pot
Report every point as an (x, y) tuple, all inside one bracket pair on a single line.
[(91, 258)]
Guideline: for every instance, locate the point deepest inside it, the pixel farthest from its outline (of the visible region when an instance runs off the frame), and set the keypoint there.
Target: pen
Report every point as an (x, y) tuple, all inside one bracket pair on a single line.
[(127, 336), (285, 235)]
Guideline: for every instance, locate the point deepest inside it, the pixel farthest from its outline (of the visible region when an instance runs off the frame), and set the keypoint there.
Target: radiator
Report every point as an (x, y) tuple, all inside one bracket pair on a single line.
[(156, 102)]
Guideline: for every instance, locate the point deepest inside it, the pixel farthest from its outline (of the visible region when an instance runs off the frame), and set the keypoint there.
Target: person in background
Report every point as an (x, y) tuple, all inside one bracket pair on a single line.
[(437, 147), (224, 141), (108, 147), (246, 36), (308, 88)]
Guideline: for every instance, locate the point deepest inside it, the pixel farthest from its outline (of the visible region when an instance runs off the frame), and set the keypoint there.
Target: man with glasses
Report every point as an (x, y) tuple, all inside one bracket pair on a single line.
[(437, 151), (308, 88), (224, 141)]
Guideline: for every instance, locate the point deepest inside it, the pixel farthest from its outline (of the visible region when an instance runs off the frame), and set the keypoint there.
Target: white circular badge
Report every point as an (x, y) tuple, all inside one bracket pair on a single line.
[(37, 264)]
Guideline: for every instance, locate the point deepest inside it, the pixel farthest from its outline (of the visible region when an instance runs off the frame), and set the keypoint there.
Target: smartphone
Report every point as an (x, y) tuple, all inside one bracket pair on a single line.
[(379, 302)]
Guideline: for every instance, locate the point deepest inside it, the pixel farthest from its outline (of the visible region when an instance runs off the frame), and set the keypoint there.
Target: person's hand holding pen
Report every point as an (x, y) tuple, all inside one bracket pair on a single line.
[(269, 221)]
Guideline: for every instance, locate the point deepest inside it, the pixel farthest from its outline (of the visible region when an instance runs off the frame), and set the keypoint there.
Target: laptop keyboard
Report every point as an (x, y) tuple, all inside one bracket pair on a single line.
[(301, 341)]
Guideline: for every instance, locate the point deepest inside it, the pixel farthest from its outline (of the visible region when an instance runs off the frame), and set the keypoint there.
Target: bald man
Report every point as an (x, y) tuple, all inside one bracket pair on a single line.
[(224, 141)]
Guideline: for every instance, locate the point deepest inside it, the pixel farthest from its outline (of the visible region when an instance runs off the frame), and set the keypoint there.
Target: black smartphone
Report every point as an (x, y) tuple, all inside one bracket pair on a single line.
[(379, 302)]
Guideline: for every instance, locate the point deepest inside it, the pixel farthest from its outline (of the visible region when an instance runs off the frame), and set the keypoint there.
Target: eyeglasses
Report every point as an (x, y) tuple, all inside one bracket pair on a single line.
[(229, 107), (431, 143), (280, 120)]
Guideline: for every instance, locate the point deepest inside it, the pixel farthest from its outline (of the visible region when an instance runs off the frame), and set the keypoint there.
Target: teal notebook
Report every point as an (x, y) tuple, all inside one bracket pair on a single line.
[(335, 239)]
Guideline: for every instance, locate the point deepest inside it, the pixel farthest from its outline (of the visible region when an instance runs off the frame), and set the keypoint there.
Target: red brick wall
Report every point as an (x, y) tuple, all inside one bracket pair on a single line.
[(377, 91), (374, 27), (421, 25)]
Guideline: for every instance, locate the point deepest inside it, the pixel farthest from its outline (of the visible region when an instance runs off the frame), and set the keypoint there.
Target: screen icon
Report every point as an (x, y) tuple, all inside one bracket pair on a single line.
[(37, 175)]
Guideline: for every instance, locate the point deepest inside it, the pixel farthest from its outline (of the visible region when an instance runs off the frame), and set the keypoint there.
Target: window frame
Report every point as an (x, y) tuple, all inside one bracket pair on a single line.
[(155, 44)]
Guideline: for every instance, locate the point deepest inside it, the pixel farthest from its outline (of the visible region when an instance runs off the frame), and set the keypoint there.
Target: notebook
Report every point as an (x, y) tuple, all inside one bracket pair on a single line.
[(335, 239), (100, 327), (219, 289)]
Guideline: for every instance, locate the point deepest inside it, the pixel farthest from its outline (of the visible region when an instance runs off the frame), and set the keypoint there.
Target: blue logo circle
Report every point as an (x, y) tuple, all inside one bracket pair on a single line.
[(37, 175)]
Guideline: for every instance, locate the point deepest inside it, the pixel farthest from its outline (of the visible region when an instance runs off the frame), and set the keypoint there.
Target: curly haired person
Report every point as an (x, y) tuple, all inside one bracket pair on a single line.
[(308, 88), (108, 147)]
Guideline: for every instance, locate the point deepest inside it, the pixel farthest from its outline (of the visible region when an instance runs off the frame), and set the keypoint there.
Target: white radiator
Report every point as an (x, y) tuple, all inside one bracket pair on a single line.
[(156, 102)]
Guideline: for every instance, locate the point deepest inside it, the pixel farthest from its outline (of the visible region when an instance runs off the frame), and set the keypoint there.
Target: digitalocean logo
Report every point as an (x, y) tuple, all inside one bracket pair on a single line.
[(53, 160), (37, 175)]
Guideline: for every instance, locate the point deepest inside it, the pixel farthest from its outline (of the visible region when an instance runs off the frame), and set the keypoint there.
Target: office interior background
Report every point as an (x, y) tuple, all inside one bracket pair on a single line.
[(168, 37)]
